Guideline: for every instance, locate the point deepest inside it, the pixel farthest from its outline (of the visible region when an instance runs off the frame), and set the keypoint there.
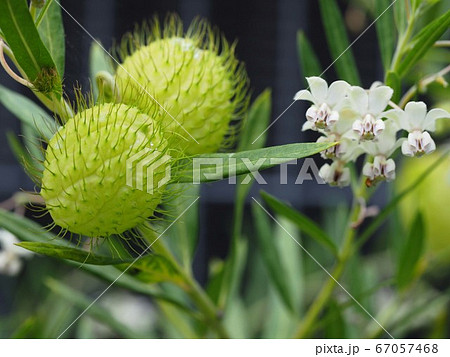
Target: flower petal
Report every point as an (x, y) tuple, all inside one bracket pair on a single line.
[(415, 115), (319, 88), (337, 92), (304, 95), (359, 99), (378, 99), (307, 125), (397, 118), (432, 116)]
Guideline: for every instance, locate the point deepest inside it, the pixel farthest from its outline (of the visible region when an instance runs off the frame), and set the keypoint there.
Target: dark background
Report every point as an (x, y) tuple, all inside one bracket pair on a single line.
[(266, 31)]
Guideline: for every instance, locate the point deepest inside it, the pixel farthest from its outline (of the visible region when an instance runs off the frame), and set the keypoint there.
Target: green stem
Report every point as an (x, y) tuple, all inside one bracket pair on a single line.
[(194, 290), (56, 105), (307, 324), (422, 85), (305, 327), (402, 42)]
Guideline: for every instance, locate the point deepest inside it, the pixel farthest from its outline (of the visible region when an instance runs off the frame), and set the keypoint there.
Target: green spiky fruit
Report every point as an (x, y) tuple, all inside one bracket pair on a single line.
[(196, 79), (84, 182)]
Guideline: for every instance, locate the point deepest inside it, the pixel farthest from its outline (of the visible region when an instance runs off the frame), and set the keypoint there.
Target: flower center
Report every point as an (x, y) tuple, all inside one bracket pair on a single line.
[(322, 117), (369, 127)]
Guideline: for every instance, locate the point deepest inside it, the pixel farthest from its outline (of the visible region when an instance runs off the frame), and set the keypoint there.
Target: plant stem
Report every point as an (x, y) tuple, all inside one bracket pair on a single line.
[(316, 308), (425, 82), (403, 40), (194, 290), (306, 325)]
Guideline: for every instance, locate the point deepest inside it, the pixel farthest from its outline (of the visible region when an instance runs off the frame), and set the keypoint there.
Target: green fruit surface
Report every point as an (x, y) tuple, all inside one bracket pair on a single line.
[(84, 180), (192, 84)]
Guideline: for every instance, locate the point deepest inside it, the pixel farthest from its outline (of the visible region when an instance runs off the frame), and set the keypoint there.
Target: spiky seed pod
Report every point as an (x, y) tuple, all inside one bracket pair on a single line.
[(84, 180), (194, 76)]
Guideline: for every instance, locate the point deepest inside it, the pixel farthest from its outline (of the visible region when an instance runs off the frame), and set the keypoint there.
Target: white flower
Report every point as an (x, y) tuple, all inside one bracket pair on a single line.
[(381, 169), (418, 123), (386, 142), (418, 143), (10, 262), (327, 101), (346, 150), (335, 174), (369, 106)]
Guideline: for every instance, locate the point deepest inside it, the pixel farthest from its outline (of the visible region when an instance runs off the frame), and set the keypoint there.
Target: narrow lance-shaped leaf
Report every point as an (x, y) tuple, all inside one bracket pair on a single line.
[(70, 253), (411, 252), (99, 61), (51, 30), (27, 230), (273, 261), (83, 303), (309, 62), (28, 112), (215, 167), (305, 224), (29, 51), (385, 31), (400, 15), (422, 42), (338, 41), (153, 268), (257, 121), (31, 166), (393, 81)]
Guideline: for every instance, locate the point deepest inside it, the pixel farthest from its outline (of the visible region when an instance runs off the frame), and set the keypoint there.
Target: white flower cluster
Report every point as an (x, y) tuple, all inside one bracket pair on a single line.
[(359, 120)]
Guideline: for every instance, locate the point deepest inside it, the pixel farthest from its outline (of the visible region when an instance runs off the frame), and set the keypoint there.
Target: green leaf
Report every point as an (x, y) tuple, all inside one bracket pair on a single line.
[(153, 268), (28, 112), (70, 253), (305, 224), (24, 40), (309, 62), (51, 30), (233, 273), (385, 212), (31, 166), (422, 42), (269, 252), (111, 273), (393, 81), (83, 303), (99, 61), (336, 326), (400, 16), (338, 41), (25, 228), (257, 121), (385, 31), (33, 144), (184, 232), (411, 252), (215, 167)]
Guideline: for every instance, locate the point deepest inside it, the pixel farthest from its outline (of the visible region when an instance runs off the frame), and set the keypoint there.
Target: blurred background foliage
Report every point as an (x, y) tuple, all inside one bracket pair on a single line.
[(47, 295)]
